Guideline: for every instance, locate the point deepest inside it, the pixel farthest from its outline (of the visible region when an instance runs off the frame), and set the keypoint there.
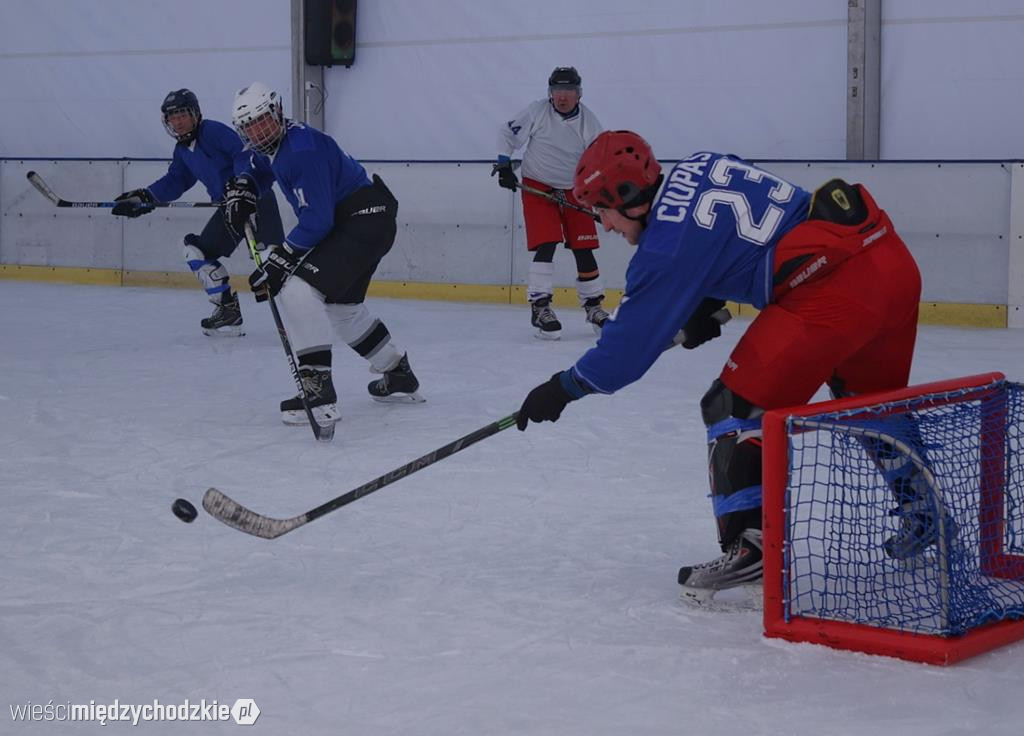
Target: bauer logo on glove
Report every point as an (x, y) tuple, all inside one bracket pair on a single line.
[(240, 197), (278, 264)]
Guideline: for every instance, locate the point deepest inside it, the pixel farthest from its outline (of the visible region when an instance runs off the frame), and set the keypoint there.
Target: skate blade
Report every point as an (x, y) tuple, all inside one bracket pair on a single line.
[(743, 597), (400, 398), (323, 417), (230, 331), (541, 335)]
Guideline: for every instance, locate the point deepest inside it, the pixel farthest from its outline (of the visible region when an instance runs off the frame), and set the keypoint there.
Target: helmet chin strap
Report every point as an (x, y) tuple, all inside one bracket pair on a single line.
[(647, 197), (642, 219), (187, 139)]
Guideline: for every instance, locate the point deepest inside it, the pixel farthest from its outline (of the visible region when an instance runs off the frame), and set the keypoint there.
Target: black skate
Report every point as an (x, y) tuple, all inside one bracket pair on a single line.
[(740, 565), (320, 395), (397, 386), (226, 320), (595, 312), (544, 319), (919, 530)]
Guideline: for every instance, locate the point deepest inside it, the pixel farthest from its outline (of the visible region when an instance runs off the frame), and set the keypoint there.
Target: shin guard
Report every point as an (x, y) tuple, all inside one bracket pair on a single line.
[(734, 461), (212, 275)]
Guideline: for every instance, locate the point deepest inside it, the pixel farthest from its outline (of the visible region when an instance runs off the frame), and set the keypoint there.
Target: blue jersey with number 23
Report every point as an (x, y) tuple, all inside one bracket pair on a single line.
[(711, 232)]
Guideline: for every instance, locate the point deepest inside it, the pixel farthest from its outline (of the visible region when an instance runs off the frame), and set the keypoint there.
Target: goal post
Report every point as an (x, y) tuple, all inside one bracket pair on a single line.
[(894, 522)]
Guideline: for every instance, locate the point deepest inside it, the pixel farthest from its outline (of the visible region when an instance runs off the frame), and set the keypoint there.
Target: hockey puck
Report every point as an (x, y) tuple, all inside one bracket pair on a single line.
[(184, 510)]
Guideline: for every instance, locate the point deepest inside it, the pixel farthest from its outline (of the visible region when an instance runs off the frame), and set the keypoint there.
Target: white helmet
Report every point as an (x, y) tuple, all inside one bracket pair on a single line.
[(258, 116)]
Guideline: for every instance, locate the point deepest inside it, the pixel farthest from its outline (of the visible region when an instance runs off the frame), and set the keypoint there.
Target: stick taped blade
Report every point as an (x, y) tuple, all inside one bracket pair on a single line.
[(225, 509)]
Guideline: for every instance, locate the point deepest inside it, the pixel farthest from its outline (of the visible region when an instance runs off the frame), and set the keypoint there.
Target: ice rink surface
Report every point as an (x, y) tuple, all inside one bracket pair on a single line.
[(523, 586)]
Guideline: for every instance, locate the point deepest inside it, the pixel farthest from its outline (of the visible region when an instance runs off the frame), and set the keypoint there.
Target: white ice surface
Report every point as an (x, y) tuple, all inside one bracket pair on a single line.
[(523, 586)]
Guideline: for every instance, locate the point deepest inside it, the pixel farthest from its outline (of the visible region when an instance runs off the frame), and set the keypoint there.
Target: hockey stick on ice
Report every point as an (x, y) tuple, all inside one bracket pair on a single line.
[(42, 188), (232, 513), (559, 199), (323, 432)]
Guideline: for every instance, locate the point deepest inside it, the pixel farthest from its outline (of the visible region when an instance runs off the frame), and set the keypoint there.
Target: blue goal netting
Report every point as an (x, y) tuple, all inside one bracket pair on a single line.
[(908, 515)]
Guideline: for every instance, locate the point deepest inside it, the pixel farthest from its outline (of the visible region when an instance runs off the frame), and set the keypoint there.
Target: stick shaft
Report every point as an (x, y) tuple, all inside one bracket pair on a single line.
[(44, 189), (411, 467), (558, 200), (227, 510)]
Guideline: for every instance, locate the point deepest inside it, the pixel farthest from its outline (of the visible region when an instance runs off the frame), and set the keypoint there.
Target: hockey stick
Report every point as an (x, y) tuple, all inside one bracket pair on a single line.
[(323, 432), (234, 514), (559, 199), (42, 188)]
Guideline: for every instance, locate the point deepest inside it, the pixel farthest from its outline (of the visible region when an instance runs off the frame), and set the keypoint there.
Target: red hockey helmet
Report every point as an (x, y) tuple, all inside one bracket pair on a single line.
[(617, 171)]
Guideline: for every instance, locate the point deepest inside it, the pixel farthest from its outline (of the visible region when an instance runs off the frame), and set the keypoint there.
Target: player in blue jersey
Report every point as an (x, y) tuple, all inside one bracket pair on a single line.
[(322, 269), (837, 289), (209, 152)]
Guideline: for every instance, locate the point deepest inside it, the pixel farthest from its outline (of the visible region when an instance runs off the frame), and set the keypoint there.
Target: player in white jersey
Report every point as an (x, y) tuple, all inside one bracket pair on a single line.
[(555, 132)]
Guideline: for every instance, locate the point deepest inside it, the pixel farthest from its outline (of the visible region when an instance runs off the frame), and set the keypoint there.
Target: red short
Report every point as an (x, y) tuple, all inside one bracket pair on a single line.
[(547, 222), (858, 324)]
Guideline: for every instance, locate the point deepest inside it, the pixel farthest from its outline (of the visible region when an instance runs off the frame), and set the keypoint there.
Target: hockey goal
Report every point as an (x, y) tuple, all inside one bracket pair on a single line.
[(894, 522)]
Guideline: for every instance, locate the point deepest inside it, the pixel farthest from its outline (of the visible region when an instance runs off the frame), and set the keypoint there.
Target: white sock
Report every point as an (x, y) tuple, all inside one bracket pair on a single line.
[(541, 280), (302, 308)]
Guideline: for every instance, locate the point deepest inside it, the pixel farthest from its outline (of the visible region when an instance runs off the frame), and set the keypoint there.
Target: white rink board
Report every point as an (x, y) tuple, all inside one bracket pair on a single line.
[(456, 226)]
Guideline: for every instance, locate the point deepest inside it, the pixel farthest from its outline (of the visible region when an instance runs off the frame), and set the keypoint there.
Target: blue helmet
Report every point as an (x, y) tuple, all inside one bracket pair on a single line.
[(182, 100)]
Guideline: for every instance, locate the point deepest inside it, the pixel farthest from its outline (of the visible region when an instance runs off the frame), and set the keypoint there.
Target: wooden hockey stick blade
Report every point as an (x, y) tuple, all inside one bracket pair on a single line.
[(44, 189), (225, 509)]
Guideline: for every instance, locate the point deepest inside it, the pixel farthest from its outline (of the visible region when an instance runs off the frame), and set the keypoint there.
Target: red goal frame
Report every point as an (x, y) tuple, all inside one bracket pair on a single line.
[(933, 649)]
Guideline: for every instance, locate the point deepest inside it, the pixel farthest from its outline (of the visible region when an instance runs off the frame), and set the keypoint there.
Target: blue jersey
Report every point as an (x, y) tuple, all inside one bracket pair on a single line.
[(213, 158), (711, 232), (315, 175)]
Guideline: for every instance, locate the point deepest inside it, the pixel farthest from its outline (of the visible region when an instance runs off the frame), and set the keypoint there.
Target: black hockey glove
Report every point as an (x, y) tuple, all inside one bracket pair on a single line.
[(703, 325), (240, 198), (546, 402), (506, 176), (279, 261), (134, 203)]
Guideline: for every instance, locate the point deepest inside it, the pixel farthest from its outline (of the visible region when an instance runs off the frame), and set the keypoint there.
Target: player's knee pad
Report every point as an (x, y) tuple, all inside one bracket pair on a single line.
[(212, 274), (365, 334), (734, 460)]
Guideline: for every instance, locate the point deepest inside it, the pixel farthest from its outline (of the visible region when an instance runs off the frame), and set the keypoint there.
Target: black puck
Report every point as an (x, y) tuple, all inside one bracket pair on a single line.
[(184, 510)]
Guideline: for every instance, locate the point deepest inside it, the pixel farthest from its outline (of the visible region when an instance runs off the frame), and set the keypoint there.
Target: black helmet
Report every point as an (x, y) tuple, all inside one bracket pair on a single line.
[(182, 100), (565, 76)]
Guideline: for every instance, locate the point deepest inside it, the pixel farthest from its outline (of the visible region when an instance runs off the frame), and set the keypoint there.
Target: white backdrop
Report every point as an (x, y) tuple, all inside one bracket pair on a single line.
[(764, 79), (457, 227), (435, 80), (952, 79), (86, 79)]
